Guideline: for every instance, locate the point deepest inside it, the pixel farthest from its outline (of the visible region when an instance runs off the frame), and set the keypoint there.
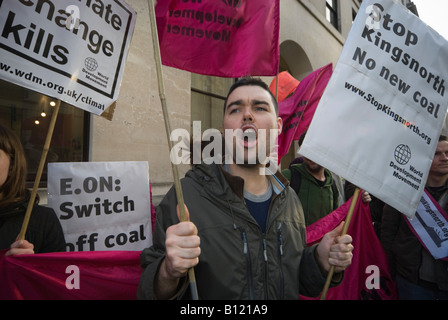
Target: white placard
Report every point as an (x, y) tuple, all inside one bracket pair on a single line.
[(102, 205), (71, 50), (379, 120)]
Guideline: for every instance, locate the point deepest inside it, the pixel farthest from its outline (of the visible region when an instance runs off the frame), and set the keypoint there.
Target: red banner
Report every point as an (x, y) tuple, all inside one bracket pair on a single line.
[(298, 110), (287, 84), (220, 38)]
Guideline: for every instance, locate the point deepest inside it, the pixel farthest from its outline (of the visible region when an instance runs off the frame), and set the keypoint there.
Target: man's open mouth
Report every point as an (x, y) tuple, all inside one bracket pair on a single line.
[(249, 136)]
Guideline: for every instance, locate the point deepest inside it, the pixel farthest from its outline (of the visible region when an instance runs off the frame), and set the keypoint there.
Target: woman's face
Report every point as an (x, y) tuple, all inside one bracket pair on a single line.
[(4, 167)]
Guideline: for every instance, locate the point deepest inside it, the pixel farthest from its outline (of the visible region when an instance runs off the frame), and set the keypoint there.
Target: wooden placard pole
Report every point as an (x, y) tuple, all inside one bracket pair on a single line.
[(174, 167), (344, 232), (40, 169)]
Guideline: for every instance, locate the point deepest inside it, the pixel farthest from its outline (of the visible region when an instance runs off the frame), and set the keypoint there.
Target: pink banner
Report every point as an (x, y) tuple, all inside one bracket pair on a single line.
[(368, 277), (115, 274), (227, 38), (298, 110), (111, 275)]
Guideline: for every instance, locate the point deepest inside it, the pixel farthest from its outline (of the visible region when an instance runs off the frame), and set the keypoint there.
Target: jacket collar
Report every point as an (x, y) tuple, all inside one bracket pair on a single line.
[(236, 183)]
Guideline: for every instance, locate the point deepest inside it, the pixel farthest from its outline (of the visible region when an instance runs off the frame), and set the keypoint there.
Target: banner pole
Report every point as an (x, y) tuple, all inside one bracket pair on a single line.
[(344, 232), (174, 167), (40, 169), (276, 87)]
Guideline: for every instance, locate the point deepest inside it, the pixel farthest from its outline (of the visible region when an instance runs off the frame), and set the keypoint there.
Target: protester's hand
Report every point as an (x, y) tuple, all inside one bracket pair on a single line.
[(335, 249), (365, 197), (182, 248), (20, 247)]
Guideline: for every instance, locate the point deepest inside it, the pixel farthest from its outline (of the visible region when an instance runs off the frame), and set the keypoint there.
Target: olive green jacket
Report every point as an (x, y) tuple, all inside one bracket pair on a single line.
[(317, 201), (238, 260)]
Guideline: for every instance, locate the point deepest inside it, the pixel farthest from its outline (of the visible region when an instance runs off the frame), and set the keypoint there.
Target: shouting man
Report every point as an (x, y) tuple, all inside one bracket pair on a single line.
[(246, 235)]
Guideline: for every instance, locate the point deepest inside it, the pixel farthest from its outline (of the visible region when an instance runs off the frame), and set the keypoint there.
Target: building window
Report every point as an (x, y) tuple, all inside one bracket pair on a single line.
[(355, 8), (207, 100), (28, 114), (332, 12)]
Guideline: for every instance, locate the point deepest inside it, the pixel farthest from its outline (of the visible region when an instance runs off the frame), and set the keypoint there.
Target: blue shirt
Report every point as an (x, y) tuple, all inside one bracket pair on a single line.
[(259, 205), (259, 210)]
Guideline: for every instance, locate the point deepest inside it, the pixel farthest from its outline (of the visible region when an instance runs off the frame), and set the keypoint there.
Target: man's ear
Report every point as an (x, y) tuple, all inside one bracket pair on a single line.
[(280, 124)]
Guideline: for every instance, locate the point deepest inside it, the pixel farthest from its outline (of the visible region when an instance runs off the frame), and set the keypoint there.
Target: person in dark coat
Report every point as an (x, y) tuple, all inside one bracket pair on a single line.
[(44, 232), (418, 274)]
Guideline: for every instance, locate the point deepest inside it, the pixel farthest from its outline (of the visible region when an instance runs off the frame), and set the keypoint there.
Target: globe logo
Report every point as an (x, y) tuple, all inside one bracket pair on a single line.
[(402, 154), (91, 64)]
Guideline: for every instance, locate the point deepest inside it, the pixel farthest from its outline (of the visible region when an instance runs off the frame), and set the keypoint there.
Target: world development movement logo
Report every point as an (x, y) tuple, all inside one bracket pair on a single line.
[(91, 64), (402, 154)]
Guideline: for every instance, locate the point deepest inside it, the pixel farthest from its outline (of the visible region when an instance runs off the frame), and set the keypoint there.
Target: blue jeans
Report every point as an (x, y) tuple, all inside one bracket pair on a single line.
[(410, 291)]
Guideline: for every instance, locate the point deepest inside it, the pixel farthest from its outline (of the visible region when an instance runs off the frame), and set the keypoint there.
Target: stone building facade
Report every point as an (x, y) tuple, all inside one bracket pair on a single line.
[(312, 34)]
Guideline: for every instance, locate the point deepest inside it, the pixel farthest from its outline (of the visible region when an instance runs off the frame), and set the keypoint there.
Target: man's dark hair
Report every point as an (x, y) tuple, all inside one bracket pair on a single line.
[(443, 138), (250, 81)]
